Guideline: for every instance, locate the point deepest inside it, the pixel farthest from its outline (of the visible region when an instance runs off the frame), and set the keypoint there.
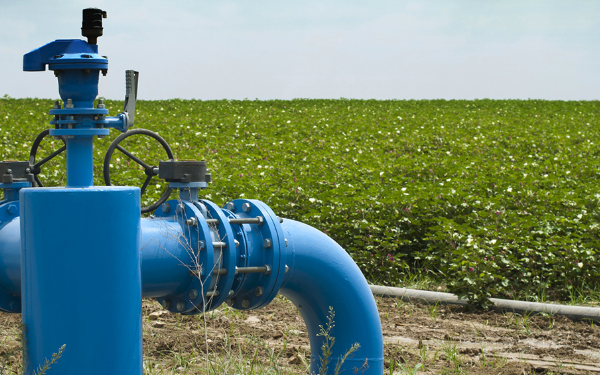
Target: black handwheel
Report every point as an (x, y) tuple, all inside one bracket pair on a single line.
[(149, 170), (36, 167)]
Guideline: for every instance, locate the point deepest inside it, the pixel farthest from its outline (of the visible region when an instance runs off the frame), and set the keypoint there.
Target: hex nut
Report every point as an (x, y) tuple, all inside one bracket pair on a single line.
[(267, 243), (180, 306), (230, 302), (165, 207), (231, 206), (12, 209), (258, 291), (246, 207), (193, 294), (246, 303), (166, 304)]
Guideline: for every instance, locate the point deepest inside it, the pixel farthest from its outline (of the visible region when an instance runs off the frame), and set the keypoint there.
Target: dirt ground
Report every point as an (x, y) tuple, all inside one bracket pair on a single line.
[(444, 339)]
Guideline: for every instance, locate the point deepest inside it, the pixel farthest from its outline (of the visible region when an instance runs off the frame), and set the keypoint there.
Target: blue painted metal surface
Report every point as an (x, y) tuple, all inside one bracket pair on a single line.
[(321, 274), (80, 264), (80, 161), (164, 258), (10, 258)]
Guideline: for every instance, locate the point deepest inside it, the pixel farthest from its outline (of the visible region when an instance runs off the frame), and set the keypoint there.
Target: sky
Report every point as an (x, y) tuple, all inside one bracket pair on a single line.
[(281, 49)]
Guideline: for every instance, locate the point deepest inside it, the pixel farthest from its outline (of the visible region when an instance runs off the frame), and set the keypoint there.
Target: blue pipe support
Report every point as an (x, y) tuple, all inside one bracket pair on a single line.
[(81, 280)]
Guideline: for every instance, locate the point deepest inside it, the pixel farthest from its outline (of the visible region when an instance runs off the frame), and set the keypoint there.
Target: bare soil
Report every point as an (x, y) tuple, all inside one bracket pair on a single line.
[(443, 339)]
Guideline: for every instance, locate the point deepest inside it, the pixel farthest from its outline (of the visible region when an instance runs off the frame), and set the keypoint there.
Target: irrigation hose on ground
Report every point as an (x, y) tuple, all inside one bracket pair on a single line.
[(413, 295)]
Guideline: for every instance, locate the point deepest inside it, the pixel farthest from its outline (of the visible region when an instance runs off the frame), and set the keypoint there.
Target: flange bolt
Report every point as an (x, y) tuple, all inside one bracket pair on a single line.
[(165, 207), (246, 303), (166, 304), (231, 206), (192, 222), (267, 243), (193, 294), (258, 291), (246, 207), (180, 306)]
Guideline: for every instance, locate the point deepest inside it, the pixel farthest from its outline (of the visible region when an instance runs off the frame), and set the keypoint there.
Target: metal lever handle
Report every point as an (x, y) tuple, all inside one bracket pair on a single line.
[(131, 88)]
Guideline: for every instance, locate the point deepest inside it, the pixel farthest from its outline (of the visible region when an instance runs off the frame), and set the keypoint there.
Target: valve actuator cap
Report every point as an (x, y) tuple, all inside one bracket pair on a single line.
[(91, 27)]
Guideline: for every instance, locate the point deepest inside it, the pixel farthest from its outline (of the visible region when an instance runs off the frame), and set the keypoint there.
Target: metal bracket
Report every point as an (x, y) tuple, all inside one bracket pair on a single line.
[(131, 89)]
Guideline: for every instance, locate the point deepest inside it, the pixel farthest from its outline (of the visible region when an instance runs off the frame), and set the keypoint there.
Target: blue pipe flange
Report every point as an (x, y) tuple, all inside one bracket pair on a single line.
[(9, 301), (224, 267), (265, 258), (282, 266), (241, 243), (196, 237)]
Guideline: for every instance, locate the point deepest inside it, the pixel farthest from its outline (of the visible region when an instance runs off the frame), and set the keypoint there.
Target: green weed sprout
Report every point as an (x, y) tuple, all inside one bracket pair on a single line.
[(327, 346)]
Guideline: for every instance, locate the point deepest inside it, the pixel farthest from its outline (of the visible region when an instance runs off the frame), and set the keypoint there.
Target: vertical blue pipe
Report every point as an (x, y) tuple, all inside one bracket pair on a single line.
[(321, 274), (81, 280), (80, 161)]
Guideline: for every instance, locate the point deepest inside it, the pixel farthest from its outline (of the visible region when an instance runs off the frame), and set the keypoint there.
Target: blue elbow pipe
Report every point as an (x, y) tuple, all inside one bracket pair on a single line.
[(322, 275)]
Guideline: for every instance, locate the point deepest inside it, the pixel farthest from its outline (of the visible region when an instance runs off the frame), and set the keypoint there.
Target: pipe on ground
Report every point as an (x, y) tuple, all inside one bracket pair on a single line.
[(322, 275), (504, 305)]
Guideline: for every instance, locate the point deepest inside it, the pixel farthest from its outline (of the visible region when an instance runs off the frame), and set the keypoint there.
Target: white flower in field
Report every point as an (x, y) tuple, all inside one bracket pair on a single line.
[(312, 200), (448, 180), (262, 173), (579, 216), (568, 172), (545, 176), (580, 265), (360, 151), (380, 174), (509, 189), (403, 189), (493, 241), (260, 166), (453, 191)]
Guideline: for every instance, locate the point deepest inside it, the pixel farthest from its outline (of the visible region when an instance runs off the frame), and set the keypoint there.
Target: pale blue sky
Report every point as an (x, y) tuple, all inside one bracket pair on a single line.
[(267, 49)]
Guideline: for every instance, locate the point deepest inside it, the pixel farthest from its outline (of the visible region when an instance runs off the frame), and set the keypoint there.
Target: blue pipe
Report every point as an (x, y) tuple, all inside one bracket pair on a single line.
[(321, 274), (164, 259), (80, 161), (10, 257)]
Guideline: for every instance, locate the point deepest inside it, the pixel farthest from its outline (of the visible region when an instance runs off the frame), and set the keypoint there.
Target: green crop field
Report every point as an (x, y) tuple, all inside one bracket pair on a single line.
[(490, 198)]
